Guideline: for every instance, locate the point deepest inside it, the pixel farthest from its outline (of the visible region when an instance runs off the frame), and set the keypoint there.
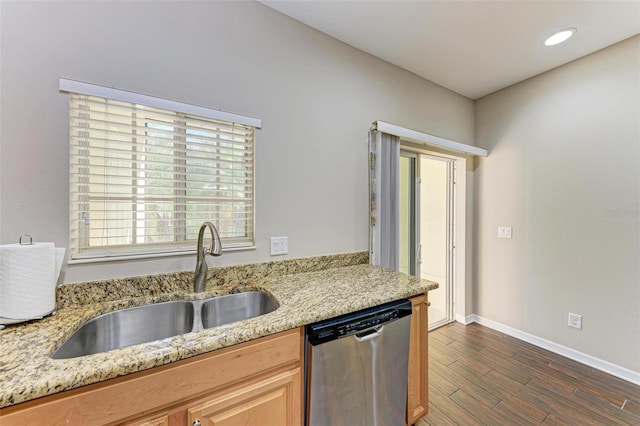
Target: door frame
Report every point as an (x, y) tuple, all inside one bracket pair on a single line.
[(448, 287), (461, 229), (414, 223)]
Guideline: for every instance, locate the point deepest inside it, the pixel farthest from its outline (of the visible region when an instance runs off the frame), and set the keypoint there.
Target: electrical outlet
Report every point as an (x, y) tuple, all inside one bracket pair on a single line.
[(504, 231), (279, 246), (575, 321)]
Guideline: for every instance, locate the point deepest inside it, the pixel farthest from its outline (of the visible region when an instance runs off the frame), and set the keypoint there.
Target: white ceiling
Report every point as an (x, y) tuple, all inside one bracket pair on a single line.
[(471, 47)]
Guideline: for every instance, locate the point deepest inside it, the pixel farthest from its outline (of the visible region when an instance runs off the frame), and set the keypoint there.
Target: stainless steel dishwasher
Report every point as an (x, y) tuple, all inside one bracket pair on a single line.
[(357, 367)]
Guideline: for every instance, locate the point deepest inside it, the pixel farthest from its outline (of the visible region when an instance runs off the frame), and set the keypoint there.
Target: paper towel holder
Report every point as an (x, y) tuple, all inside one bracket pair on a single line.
[(30, 243), (6, 321)]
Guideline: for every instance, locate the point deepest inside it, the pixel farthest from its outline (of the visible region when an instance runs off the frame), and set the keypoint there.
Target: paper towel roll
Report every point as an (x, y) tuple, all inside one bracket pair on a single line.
[(27, 280)]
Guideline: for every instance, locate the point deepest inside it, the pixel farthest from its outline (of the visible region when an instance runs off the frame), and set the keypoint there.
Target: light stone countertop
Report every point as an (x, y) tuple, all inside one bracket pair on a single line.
[(27, 372)]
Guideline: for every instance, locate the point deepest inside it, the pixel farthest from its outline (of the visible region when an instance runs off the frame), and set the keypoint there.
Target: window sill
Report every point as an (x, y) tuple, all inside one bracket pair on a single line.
[(116, 258)]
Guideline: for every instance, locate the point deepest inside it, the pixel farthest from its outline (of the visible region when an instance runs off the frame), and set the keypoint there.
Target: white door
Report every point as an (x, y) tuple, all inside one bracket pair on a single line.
[(436, 227), (427, 224)]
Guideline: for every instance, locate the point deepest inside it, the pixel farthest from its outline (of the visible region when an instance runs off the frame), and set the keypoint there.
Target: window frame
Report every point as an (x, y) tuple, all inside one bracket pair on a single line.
[(184, 114)]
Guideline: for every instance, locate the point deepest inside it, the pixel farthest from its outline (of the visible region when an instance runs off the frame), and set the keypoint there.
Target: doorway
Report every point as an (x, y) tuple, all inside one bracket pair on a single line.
[(427, 227)]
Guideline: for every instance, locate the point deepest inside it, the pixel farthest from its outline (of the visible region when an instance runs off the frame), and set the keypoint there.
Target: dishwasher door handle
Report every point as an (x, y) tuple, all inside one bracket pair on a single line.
[(369, 334)]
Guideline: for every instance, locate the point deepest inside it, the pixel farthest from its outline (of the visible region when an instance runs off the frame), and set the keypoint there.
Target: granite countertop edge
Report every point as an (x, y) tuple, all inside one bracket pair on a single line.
[(27, 372)]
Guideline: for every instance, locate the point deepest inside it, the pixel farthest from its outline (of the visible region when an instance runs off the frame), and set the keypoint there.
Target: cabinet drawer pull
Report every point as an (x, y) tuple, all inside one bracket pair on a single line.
[(196, 422), (428, 303)]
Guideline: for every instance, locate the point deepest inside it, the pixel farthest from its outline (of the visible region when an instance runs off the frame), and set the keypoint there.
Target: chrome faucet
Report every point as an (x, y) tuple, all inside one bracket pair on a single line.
[(200, 277)]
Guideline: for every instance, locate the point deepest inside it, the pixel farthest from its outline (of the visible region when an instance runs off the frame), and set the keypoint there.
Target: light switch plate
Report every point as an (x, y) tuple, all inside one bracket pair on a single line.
[(279, 246), (504, 231), (575, 321)]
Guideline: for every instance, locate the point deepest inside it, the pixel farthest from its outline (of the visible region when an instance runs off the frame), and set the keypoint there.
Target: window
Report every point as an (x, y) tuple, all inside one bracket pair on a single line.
[(144, 178)]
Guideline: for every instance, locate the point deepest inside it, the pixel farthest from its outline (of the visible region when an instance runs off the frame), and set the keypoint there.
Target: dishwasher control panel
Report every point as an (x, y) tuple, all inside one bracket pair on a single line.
[(363, 324), (356, 322)]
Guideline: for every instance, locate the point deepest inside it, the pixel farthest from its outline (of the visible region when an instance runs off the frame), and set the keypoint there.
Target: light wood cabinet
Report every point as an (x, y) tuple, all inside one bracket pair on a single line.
[(255, 383), (156, 420), (418, 389), (253, 380), (273, 400)]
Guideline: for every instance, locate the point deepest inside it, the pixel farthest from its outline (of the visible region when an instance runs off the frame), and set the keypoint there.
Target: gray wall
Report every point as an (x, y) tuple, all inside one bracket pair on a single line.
[(315, 95), (564, 171)]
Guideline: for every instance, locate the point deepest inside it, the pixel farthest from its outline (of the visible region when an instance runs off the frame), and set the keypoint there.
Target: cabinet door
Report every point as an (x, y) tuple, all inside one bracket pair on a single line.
[(417, 392), (274, 400)]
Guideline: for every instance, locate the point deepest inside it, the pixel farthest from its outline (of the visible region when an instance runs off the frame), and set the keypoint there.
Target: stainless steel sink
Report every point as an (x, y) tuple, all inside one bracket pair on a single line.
[(235, 307), (128, 327), (147, 323)]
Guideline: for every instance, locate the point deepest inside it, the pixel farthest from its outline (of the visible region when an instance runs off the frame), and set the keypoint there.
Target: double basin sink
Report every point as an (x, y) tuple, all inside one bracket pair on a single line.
[(147, 323)]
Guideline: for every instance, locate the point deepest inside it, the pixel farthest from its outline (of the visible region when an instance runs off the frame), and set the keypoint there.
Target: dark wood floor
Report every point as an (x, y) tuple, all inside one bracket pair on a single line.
[(479, 376)]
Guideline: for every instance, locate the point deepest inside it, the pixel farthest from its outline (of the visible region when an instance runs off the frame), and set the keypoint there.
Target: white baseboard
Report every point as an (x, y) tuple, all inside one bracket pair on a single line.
[(597, 363), (466, 320)]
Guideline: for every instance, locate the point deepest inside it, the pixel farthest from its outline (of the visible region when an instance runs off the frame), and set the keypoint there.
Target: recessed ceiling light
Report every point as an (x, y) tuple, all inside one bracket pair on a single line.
[(559, 37)]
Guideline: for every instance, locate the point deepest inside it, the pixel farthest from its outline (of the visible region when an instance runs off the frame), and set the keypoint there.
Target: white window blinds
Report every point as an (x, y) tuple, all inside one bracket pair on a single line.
[(143, 179)]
